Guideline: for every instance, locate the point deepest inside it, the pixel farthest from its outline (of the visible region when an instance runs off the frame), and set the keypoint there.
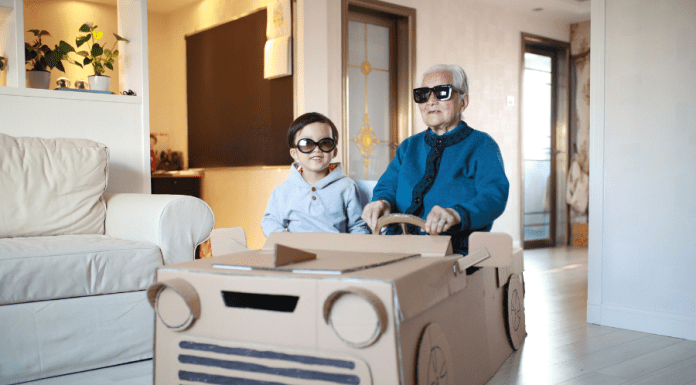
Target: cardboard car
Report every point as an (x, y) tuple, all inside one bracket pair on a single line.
[(312, 308)]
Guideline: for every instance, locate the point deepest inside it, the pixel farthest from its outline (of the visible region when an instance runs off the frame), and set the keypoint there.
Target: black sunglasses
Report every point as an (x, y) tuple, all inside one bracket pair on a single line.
[(306, 145), (442, 93)]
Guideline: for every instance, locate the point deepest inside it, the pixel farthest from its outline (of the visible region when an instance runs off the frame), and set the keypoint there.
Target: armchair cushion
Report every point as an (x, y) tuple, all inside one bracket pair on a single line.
[(52, 186), (65, 266)]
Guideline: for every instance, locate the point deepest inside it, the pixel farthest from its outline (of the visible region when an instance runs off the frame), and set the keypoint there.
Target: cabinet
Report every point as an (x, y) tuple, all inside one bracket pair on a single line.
[(178, 184)]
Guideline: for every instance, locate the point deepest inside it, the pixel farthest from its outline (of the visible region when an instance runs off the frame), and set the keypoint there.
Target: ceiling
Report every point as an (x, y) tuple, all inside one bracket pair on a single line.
[(569, 11)]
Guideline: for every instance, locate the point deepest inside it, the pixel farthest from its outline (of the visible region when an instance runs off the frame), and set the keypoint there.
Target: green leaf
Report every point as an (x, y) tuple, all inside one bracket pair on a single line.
[(119, 38), (60, 66), (34, 31), (97, 50), (83, 53), (115, 53), (86, 61), (44, 33), (107, 52), (82, 39), (109, 66), (65, 47), (97, 35), (87, 27)]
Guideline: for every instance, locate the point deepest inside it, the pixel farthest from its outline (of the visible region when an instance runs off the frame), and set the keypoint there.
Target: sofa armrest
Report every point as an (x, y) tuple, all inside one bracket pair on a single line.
[(175, 223)]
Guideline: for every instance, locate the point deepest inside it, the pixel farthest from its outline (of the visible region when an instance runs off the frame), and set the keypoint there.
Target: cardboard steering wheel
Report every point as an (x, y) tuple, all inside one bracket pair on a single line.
[(402, 219)]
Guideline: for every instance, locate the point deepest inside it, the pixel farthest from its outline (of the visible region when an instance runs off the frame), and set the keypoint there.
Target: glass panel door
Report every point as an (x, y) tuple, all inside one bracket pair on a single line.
[(370, 101), (538, 167)]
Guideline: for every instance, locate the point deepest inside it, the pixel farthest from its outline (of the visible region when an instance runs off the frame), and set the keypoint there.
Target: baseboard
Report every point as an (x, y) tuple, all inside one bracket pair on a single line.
[(648, 321), (594, 313)]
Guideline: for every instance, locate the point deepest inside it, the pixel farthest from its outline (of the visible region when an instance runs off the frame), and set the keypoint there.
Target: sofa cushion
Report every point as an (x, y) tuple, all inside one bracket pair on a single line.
[(42, 268), (52, 186)]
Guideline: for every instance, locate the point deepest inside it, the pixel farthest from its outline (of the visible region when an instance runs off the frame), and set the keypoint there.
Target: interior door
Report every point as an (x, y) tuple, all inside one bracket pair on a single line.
[(372, 129), (539, 148)]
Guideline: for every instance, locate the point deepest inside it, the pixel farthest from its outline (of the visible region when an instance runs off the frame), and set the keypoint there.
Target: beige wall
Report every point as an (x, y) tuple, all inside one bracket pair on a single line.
[(238, 197), (63, 18), (485, 40)]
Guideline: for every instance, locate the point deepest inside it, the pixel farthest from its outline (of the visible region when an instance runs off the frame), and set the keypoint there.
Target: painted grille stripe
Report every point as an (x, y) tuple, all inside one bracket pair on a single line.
[(221, 380), (336, 378), (308, 360)]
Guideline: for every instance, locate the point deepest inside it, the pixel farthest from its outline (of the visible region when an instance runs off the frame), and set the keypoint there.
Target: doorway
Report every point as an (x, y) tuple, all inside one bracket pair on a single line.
[(378, 61), (545, 111)]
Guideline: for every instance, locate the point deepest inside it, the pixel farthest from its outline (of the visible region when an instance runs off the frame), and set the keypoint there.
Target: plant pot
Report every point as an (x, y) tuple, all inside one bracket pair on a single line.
[(99, 82), (38, 79)]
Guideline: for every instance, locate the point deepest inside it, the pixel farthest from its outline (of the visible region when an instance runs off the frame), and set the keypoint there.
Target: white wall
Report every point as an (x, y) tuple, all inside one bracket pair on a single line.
[(642, 251)]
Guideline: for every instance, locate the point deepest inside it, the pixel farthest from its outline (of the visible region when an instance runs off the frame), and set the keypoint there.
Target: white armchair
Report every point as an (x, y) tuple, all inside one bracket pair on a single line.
[(75, 263)]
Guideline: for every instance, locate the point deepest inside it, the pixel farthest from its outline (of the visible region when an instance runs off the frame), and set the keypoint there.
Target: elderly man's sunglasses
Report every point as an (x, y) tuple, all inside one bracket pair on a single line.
[(442, 93), (306, 145)]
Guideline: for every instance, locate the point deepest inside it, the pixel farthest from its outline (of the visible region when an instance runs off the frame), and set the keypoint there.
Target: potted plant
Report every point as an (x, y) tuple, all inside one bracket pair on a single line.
[(2, 63), (40, 57), (99, 57)]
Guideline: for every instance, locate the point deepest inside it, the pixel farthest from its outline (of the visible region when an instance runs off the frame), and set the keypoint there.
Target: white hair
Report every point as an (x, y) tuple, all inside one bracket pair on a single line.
[(459, 79)]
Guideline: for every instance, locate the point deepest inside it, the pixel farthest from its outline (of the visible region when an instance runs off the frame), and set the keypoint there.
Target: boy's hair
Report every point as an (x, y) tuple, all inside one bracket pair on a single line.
[(309, 118)]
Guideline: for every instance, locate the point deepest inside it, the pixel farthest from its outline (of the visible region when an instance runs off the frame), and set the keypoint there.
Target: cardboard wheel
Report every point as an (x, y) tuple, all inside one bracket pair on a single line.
[(434, 362), (514, 309)]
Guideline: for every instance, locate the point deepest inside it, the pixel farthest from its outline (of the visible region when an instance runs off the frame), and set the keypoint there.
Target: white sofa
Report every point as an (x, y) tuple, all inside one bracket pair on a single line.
[(75, 262)]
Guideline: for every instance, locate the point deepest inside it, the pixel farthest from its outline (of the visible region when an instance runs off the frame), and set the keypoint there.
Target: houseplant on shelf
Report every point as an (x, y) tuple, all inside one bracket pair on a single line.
[(40, 57), (99, 57)]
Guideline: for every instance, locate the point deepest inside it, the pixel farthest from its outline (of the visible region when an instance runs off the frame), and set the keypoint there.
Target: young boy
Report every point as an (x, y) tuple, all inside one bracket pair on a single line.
[(317, 196)]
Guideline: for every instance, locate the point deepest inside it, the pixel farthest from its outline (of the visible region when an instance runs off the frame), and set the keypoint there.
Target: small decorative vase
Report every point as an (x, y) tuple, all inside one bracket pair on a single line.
[(81, 84), (99, 82), (38, 79), (63, 82)]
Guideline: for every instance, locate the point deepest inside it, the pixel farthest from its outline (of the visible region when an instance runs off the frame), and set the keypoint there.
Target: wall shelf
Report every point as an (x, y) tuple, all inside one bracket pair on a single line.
[(55, 94)]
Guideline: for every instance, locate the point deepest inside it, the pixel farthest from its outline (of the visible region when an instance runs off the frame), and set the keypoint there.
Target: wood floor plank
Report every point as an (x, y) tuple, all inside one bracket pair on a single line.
[(594, 378), (653, 362), (680, 373)]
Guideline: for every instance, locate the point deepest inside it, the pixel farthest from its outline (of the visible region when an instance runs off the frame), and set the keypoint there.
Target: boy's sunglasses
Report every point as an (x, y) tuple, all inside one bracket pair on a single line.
[(306, 145), (442, 93)]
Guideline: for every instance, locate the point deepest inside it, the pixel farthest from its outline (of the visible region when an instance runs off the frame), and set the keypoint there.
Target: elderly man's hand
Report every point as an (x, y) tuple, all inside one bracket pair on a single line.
[(440, 220), (373, 211)]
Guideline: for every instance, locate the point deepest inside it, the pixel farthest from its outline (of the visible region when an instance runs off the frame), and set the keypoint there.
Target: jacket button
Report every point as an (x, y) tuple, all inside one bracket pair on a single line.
[(314, 198), (314, 189), (429, 179), (417, 200)]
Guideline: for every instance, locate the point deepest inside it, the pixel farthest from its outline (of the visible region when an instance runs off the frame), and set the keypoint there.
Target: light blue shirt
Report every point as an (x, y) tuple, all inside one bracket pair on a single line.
[(329, 206)]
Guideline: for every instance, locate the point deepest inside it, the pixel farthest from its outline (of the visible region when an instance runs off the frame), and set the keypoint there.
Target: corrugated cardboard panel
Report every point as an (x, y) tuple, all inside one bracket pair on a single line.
[(421, 289), (462, 318), (326, 262), (499, 246), (425, 245)]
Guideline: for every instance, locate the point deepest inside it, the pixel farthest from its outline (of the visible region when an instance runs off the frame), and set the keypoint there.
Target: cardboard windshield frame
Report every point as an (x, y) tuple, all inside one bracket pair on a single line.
[(401, 300)]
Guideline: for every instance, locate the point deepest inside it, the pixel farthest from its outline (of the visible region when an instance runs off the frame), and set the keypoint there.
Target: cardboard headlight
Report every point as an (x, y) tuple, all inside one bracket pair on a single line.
[(357, 316)]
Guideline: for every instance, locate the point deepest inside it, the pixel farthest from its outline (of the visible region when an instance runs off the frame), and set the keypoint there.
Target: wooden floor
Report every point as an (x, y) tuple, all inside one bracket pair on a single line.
[(561, 348)]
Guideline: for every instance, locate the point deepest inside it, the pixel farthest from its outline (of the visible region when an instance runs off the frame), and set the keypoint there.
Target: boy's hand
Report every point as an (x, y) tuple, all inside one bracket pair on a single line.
[(373, 211)]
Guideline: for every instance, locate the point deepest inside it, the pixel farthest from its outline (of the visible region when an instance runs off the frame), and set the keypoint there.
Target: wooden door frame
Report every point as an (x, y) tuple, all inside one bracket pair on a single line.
[(405, 18), (560, 98)]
